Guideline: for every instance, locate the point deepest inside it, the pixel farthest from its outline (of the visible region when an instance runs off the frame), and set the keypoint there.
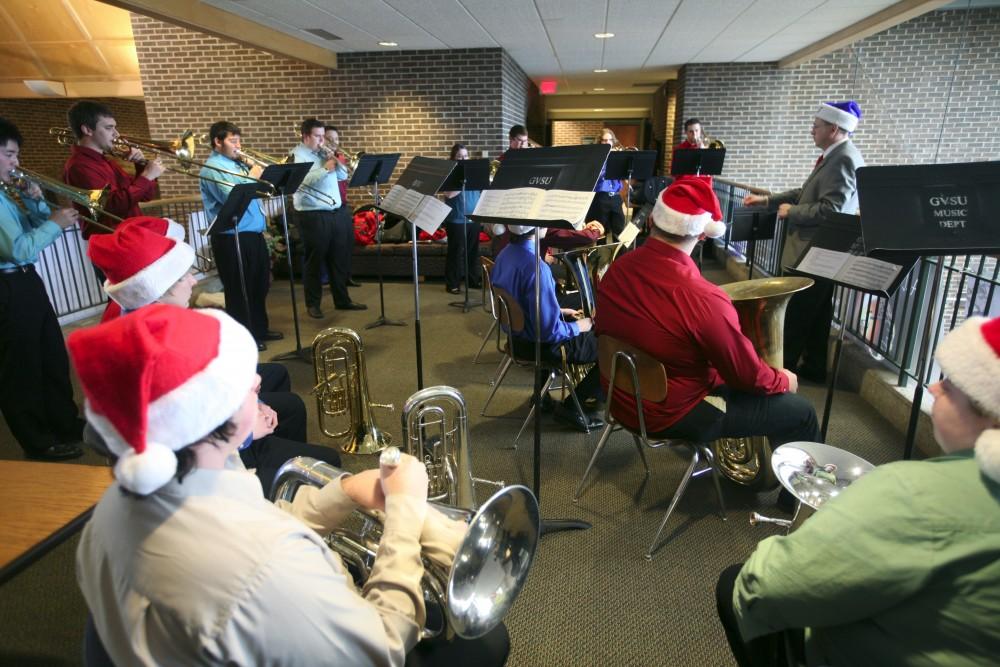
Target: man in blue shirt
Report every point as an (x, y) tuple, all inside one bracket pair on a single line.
[(327, 226), (514, 272), (36, 397), (223, 166)]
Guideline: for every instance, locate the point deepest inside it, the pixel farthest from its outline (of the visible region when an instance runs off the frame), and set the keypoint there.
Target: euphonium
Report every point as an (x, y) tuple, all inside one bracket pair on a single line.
[(436, 431), (760, 304), (473, 593), (342, 391)]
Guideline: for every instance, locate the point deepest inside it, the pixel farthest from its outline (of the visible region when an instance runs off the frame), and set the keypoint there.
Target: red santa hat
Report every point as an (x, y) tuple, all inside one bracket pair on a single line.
[(970, 359), (159, 380), (689, 207), (142, 259)]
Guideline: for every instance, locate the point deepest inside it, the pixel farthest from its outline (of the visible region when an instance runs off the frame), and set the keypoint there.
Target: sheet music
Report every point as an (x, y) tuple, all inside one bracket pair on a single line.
[(430, 214), (568, 205), (490, 204), (868, 273), (823, 262), (402, 201), (628, 234), (392, 200)]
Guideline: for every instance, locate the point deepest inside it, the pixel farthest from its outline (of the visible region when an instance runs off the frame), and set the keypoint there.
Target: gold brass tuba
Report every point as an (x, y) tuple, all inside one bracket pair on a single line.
[(760, 304), (473, 593), (436, 431), (342, 392)]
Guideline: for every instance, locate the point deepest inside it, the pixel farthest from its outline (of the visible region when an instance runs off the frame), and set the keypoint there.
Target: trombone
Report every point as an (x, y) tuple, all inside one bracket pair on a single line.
[(92, 200), (257, 158)]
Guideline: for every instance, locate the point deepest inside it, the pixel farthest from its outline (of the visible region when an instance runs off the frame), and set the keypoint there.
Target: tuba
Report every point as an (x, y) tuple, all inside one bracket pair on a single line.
[(436, 431), (342, 392), (760, 304), (472, 594)]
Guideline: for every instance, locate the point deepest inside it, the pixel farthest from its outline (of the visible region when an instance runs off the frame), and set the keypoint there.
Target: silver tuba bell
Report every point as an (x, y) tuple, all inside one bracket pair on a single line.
[(474, 593)]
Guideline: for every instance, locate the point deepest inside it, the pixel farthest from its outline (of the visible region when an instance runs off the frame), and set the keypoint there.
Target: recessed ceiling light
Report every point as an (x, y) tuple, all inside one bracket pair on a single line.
[(600, 71), (388, 44), (604, 35), (598, 89)]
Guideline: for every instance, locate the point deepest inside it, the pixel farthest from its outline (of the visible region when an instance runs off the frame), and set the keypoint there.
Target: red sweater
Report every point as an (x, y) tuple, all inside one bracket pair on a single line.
[(654, 298), (88, 169)]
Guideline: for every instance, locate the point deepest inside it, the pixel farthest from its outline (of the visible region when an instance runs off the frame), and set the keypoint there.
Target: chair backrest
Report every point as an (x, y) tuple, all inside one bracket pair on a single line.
[(650, 375), (489, 303), (510, 314)]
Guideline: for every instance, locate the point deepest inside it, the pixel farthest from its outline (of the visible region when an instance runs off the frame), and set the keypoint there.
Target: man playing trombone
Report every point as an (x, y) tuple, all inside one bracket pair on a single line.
[(327, 228), (225, 166), (90, 167), (36, 397)]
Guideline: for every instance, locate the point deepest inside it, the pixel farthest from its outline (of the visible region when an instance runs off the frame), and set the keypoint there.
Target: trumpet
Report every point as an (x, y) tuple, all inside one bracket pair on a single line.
[(474, 592), (92, 200)]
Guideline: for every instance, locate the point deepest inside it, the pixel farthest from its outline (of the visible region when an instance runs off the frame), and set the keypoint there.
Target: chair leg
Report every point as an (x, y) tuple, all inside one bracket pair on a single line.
[(673, 501), (531, 413), (605, 436), (486, 339), (715, 479), (567, 380), (642, 452), (501, 373)]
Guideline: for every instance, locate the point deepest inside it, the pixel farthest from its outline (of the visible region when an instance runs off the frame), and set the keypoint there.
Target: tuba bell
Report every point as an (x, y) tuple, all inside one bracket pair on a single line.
[(436, 431), (473, 593), (760, 305), (342, 392)]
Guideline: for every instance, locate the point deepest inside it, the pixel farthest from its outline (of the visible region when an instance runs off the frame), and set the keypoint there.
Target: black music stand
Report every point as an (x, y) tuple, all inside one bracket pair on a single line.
[(841, 235), (931, 210), (574, 168), (752, 224), (240, 198), (697, 161), (424, 176), (286, 179), (467, 175), (629, 165), (373, 169)]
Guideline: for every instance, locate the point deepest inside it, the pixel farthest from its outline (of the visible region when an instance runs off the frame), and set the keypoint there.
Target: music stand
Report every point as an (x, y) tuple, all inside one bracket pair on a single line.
[(467, 175), (931, 210), (373, 169), (236, 204), (575, 168), (841, 235), (629, 165), (286, 179), (423, 175), (751, 224), (697, 161)]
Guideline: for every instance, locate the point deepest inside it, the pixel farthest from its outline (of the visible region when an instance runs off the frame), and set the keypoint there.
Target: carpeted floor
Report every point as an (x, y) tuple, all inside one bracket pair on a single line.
[(591, 599)]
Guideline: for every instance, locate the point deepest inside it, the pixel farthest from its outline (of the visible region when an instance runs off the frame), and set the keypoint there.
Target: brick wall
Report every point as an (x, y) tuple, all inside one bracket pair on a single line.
[(664, 118), (573, 132), (412, 102), (519, 104), (34, 117), (901, 79)]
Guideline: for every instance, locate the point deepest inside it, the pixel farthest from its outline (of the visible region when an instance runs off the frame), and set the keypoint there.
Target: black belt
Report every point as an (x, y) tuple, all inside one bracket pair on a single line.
[(27, 268)]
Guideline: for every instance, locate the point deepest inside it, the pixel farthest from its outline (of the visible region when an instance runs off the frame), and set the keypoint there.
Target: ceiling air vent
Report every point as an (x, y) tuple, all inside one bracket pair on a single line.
[(322, 34)]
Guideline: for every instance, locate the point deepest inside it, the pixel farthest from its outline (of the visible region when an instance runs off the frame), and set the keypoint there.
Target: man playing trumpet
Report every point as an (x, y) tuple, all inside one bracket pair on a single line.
[(36, 397)]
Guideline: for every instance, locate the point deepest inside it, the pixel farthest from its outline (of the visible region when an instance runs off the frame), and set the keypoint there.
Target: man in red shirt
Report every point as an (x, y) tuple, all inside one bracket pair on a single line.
[(655, 299), (693, 137), (90, 167)]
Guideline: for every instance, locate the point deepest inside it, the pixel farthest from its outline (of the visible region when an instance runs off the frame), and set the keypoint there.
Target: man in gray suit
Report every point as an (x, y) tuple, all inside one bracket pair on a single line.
[(830, 188)]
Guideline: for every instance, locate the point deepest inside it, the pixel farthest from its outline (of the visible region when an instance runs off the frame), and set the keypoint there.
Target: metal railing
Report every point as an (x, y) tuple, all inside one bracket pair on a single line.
[(890, 328)]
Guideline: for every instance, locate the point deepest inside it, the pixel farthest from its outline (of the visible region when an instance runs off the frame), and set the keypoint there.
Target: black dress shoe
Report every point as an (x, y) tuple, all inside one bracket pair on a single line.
[(568, 414), (261, 346), (61, 452), (353, 283), (548, 403), (315, 312), (273, 335), (353, 305), (454, 290)]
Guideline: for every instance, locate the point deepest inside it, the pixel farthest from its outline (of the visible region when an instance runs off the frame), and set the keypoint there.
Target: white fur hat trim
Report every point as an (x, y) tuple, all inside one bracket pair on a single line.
[(684, 224), (146, 286), (838, 117)]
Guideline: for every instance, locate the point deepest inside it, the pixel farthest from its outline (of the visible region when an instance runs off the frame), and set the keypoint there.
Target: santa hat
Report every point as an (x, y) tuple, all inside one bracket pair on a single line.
[(689, 207), (160, 380), (844, 115), (142, 259), (970, 359)]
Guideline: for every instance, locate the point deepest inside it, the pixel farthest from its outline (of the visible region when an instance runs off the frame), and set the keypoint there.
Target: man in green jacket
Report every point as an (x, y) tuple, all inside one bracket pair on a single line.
[(903, 568)]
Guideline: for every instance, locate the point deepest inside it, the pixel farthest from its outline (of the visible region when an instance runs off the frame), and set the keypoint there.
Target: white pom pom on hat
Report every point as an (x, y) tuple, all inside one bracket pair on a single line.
[(689, 207)]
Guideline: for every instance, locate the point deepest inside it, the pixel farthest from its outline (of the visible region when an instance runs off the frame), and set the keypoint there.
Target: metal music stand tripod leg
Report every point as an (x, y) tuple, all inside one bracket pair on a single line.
[(416, 311), (847, 301), (379, 228), (299, 353), (465, 304), (242, 274)]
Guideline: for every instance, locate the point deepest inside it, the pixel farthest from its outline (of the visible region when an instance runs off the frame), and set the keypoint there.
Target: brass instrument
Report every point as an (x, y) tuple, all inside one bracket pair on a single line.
[(587, 267), (342, 392), (436, 430), (710, 143), (813, 473), (494, 167), (760, 304), (92, 200), (255, 158), (473, 593)]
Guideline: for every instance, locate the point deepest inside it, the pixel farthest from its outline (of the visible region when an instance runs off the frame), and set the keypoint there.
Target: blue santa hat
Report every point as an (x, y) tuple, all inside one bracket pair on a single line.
[(842, 114)]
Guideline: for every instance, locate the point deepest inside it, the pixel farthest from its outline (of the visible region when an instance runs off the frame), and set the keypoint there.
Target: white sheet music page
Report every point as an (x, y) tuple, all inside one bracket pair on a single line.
[(569, 205), (430, 214), (490, 204), (392, 201), (823, 262), (869, 273), (628, 234)]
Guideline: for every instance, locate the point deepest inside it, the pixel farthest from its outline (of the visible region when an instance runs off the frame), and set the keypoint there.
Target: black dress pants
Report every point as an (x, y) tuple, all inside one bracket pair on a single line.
[(807, 329), (266, 455), (607, 210), (36, 397), (257, 272), (455, 270), (765, 651), (580, 349), (328, 241)]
